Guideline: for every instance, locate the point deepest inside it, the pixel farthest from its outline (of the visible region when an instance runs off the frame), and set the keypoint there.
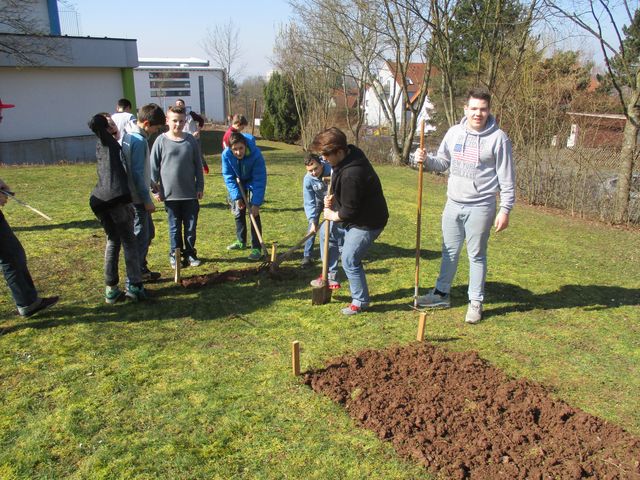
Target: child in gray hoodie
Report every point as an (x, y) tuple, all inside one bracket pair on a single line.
[(480, 163)]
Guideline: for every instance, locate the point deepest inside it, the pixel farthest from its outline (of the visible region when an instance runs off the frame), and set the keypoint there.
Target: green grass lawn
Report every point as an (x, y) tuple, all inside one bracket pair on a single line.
[(197, 384)]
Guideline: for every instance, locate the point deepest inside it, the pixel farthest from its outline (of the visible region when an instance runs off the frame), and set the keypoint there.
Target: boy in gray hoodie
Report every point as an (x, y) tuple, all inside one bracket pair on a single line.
[(480, 163)]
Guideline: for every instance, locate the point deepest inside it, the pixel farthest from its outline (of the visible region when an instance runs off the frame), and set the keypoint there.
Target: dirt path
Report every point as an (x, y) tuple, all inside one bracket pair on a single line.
[(464, 419)]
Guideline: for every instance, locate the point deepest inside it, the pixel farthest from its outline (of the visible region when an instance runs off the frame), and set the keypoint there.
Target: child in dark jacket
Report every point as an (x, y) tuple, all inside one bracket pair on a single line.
[(243, 160), (111, 202)]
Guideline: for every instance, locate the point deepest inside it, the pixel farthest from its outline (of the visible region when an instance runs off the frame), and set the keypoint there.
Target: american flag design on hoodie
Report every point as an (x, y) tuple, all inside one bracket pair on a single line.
[(465, 156)]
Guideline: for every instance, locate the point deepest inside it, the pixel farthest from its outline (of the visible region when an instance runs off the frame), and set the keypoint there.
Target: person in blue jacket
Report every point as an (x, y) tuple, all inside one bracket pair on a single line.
[(243, 160), (314, 189)]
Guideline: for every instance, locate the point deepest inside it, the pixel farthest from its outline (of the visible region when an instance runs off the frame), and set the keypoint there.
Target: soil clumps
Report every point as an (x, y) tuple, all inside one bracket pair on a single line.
[(464, 419)]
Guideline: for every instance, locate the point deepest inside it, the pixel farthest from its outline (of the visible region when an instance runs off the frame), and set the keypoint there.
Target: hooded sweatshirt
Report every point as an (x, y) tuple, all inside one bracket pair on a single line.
[(480, 165), (135, 151), (357, 192), (251, 171)]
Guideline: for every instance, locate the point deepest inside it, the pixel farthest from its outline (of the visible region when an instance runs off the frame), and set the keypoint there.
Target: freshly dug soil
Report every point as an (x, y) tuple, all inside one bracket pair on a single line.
[(199, 281), (464, 419)]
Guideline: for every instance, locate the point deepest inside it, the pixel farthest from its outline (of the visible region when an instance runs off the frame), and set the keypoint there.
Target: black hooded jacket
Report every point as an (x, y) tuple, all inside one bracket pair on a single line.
[(357, 191)]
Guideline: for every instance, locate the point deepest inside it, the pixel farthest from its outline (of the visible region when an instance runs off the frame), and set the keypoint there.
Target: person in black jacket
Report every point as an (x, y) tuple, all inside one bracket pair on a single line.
[(357, 204)]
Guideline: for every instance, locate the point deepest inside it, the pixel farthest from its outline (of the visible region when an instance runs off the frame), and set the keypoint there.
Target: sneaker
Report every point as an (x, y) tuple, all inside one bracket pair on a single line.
[(172, 261), (112, 294), (433, 299), (45, 302), (194, 261), (318, 282), (149, 276), (307, 262), (205, 167), (256, 254), (352, 310), (474, 312), (237, 245), (136, 293)]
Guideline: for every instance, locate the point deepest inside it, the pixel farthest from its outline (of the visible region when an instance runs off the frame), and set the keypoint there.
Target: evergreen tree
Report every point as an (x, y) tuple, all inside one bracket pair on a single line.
[(280, 111)]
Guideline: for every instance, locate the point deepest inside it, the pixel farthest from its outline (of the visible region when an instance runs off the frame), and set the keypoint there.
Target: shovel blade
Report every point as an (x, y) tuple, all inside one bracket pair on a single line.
[(320, 295)]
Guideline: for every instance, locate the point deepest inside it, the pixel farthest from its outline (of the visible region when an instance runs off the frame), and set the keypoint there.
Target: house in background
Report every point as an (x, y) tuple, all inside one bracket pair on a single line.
[(391, 82), (164, 80)]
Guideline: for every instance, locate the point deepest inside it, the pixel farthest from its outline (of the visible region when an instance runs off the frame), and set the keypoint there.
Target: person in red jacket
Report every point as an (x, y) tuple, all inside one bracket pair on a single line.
[(238, 123)]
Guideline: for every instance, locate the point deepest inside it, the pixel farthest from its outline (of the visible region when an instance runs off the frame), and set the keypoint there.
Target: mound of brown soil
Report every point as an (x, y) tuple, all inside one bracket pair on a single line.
[(198, 281), (463, 418)]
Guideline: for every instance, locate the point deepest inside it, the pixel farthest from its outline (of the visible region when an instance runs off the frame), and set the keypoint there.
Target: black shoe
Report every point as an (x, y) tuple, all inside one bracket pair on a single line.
[(307, 262), (45, 303), (150, 276)]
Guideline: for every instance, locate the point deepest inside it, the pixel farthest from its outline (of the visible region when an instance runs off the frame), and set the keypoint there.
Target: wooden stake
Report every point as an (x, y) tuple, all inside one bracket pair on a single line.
[(253, 116), (418, 220), (295, 357), (421, 327), (273, 251), (178, 265)]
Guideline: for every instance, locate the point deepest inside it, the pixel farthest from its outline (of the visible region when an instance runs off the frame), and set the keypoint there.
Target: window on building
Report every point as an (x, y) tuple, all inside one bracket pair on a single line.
[(154, 75), (170, 93), (170, 84)]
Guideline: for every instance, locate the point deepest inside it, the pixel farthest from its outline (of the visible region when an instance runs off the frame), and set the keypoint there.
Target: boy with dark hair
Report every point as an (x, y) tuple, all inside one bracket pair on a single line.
[(176, 168), (244, 161), (314, 189), (479, 158), (135, 150), (123, 118)]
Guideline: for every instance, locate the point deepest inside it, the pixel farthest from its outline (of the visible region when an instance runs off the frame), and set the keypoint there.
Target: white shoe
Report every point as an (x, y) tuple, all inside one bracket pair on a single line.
[(474, 312), (433, 300)]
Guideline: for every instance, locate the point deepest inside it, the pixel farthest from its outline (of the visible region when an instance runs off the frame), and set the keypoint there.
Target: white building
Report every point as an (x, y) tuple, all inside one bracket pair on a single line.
[(164, 80), (390, 81), (68, 80)]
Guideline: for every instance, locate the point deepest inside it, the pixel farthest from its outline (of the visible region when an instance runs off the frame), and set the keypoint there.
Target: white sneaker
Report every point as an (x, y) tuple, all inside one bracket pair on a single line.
[(474, 312), (433, 300)]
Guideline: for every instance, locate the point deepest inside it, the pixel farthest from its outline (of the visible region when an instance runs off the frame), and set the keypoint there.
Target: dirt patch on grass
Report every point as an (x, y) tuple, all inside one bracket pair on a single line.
[(464, 419)]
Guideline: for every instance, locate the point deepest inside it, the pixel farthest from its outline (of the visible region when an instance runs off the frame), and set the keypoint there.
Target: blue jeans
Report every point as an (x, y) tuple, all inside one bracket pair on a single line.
[(240, 216), (145, 231), (336, 243), (118, 225), (355, 245), (14, 267), (308, 245), (473, 223), (182, 213)]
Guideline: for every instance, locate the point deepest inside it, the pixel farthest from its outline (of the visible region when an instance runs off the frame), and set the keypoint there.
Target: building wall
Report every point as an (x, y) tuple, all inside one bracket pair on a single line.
[(34, 11), (201, 89), (55, 102)]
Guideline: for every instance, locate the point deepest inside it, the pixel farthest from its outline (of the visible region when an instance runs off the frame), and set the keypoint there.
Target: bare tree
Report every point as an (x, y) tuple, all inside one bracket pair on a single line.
[(367, 35), (24, 38), (599, 19), (223, 47)]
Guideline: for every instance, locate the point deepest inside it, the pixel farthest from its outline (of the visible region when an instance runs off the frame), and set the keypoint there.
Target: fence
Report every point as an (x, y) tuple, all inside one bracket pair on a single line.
[(580, 180)]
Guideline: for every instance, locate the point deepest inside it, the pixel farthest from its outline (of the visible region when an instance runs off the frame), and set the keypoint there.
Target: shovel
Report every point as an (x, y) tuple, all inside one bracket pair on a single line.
[(322, 294), (284, 256), (13, 197), (253, 220)]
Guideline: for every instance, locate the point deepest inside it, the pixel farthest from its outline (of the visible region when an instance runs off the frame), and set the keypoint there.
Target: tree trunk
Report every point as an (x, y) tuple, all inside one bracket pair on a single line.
[(627, 156)]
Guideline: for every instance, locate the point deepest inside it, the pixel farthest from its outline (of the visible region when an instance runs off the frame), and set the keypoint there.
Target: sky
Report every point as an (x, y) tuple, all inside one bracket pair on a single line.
[(177, 29)]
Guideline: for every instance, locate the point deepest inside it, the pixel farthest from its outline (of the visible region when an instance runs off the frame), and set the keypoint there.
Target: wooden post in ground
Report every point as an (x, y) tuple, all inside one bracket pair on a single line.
[(421, 327), (273, 251), (295, 357), (253, 117), (178, 258)]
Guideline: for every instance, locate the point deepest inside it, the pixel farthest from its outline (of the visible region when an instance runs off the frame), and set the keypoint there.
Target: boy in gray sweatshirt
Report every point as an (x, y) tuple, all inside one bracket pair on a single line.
[(176, 169), (478, 156)]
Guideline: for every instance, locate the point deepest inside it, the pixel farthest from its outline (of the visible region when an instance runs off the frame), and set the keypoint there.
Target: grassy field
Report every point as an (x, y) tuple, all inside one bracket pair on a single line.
[(197, 384)]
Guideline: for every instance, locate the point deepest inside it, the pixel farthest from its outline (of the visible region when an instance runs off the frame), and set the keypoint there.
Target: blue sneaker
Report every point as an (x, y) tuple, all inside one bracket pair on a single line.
[(136, 294), (112, 294)]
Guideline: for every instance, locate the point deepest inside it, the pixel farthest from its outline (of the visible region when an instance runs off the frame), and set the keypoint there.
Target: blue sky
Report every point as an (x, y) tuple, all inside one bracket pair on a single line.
[(176, 29)]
